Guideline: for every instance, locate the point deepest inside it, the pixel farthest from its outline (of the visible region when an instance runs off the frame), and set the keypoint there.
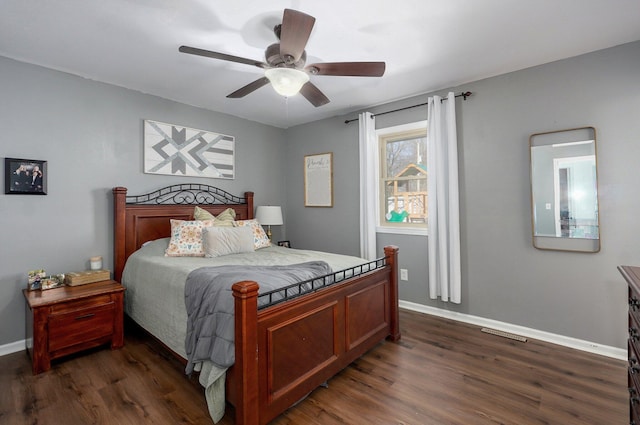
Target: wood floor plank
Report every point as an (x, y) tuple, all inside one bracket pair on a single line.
[(441, 372)]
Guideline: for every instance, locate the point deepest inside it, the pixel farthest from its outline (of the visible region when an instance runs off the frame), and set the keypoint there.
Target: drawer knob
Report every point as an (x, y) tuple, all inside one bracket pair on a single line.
[(634, 303), (633, 333), (85, 316)]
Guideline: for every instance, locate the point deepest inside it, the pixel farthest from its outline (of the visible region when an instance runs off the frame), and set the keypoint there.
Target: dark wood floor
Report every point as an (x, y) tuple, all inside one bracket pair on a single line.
[(442, 372)]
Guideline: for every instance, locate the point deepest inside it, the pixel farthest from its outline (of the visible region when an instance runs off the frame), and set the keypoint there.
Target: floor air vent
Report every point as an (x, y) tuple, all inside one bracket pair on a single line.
[(504, 334)]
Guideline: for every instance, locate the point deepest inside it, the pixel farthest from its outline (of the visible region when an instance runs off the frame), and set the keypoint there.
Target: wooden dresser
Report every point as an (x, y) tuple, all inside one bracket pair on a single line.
[(69, 319), (632, 276)]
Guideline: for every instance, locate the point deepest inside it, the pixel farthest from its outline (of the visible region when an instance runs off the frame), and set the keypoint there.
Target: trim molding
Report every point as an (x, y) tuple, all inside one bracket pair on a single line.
[(12, 347), (578, 344)]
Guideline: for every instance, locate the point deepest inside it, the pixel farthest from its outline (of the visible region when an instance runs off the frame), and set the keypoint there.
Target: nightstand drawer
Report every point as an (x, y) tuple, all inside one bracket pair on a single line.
[(75, 305), (80, 325)]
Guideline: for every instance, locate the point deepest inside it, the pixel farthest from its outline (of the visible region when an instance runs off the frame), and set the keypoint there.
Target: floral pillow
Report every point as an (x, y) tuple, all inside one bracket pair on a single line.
[(186, 238), (260, 238), (225, 218)]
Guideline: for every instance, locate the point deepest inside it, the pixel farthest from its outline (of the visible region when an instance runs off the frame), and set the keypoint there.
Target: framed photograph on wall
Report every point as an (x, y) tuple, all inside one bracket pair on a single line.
[(25, 176), (318, 180)]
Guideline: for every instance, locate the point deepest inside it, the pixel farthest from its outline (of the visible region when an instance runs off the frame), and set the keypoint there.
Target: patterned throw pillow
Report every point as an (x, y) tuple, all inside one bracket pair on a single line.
[(225, 218), (260, 238), (186, 238)]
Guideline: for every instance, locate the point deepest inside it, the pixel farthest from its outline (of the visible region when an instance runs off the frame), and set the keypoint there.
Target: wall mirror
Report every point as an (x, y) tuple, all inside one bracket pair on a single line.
[(564, 190)]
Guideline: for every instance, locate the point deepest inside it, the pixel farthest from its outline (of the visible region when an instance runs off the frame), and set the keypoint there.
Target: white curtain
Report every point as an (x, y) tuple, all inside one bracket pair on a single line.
[(443, 200), (368, 183)]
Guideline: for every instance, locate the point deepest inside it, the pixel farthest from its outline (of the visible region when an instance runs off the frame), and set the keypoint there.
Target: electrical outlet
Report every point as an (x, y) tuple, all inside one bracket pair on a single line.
[(404, 274)]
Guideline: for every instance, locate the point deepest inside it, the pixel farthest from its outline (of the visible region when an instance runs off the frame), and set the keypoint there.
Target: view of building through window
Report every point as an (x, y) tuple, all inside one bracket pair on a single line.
[(403, 182)]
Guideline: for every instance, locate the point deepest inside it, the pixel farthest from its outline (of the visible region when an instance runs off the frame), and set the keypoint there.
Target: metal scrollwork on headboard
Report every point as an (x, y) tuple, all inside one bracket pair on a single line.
[(186, 194)]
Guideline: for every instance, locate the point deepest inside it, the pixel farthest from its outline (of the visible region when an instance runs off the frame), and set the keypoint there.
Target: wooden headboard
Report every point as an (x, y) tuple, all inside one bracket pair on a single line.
[(138, 219)]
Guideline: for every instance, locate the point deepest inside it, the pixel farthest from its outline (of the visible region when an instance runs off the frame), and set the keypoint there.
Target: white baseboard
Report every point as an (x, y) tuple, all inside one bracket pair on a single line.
[(12, 347), (591, 347)]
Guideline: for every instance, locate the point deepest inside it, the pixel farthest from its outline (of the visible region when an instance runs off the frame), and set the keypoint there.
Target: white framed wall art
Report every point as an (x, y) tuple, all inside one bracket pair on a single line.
[(318, 180), (182, 151)]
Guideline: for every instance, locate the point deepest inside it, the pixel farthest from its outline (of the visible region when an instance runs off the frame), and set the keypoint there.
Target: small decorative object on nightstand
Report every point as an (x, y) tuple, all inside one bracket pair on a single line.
[(68, 319), (95, 263), (87, 276), (35, 279), (285, 244), (53, 281)]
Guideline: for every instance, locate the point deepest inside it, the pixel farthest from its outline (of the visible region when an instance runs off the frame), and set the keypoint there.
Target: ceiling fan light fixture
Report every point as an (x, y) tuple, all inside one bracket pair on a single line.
[(286, 81)]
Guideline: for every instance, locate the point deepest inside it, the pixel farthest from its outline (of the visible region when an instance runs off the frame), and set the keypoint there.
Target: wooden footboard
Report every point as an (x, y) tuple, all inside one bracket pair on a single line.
[(284, 352)]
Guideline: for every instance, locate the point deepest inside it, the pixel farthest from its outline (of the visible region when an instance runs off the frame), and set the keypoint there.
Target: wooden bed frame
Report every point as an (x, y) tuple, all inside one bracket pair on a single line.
[(285, 351)]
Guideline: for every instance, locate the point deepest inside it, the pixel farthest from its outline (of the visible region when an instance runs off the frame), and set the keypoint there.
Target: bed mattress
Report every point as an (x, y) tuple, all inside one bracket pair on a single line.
[(155, 284)]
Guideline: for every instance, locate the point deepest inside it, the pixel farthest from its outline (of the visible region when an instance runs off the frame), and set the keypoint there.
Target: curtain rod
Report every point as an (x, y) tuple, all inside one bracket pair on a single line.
[(464, 95)]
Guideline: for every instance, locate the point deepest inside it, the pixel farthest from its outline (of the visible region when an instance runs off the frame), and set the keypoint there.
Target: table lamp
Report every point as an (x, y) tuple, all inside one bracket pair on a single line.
[(269, 216)]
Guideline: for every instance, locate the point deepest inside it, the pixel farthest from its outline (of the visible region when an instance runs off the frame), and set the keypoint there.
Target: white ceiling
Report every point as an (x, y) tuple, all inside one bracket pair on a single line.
[(428, 45)]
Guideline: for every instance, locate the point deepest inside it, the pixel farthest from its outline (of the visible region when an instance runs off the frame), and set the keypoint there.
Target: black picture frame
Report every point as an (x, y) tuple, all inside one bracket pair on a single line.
[(25, 176), (285, 244)]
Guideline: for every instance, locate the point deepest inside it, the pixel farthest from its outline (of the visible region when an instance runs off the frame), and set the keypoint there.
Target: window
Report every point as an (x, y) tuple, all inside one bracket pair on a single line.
[(402, 187)]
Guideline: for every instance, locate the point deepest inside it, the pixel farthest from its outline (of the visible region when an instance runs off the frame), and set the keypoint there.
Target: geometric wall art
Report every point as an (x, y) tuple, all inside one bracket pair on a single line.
[(182, 151)]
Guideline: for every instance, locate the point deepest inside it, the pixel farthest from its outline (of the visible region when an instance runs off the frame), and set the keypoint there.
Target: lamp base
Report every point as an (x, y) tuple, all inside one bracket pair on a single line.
[(269, 232)]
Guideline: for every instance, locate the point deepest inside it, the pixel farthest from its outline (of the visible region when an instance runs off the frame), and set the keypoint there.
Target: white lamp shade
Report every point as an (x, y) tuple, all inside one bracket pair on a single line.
[(286, 81), (269, 215)]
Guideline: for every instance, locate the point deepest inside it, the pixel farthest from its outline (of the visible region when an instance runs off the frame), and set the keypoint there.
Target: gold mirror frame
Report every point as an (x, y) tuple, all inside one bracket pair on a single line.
[(564, 190)]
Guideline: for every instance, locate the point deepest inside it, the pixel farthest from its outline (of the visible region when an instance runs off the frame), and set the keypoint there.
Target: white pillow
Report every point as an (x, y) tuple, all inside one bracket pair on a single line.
[(219, 241)]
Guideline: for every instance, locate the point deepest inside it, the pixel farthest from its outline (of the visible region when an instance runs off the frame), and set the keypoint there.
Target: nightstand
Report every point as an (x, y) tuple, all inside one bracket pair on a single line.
[(69, 319)]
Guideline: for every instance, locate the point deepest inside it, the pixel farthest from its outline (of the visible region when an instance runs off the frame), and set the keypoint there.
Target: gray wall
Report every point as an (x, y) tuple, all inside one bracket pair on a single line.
[(504, 277), (91, 135)]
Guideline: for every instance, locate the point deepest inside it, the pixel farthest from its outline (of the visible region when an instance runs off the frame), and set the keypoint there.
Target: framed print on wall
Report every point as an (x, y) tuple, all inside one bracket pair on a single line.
[(182, 151), (318, 180), (25, 176)]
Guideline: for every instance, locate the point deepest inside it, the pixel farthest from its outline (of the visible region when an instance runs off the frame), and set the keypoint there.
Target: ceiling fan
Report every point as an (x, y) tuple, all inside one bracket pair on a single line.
[(285, 62)]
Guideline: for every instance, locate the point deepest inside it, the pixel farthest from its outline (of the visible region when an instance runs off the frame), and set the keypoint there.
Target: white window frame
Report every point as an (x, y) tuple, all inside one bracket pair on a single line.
[(400, 230)]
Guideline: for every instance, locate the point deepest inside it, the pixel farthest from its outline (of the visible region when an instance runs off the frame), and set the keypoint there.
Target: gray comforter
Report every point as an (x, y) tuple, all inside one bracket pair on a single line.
[(209, 303)]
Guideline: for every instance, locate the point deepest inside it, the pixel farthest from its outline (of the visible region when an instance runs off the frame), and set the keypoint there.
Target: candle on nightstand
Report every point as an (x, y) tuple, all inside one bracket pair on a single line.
[(95, 263)]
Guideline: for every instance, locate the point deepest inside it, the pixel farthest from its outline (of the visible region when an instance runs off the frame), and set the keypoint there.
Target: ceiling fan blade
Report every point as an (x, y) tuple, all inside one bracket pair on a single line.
[(313, 94), (221, 56), (348, 69), (294, 34), (249, 88)]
